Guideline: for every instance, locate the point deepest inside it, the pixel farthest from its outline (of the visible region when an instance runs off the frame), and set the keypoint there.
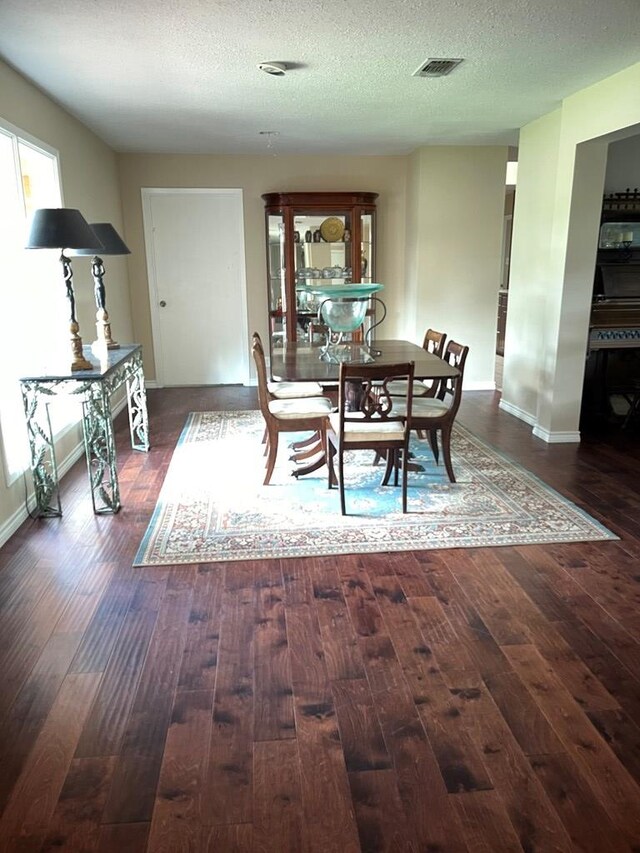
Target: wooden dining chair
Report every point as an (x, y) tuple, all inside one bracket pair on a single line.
[(365, 420), (435, 415), (433, 342), (287, 390), (293, 414), (307, 447)]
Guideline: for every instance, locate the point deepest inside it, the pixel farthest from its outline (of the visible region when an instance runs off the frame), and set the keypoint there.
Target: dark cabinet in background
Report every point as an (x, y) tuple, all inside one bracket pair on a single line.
[(503, 297), (323, 235)]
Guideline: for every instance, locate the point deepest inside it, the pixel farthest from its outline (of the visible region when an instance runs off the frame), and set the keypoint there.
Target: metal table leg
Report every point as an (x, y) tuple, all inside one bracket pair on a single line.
[(100, 450), (137, 404), (44, 469)]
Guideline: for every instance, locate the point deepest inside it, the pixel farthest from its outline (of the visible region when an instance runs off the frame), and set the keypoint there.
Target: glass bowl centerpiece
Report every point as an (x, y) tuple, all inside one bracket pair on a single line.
[(343, 308)]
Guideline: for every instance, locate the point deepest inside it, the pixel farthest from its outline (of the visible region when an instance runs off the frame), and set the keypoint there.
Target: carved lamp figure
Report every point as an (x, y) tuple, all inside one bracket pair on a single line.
[(65, 228), (112, 244)]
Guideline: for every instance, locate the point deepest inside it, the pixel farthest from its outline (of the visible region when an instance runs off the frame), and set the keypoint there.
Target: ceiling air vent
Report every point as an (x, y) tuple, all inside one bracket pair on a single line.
[(436, 67)]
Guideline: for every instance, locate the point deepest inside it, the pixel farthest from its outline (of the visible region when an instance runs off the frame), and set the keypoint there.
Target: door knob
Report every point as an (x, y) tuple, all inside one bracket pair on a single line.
[(162, 303)]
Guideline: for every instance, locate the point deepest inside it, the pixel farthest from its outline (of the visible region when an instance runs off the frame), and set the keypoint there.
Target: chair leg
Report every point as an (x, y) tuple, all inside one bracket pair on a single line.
[(265, 435), (300, 455), (305, 442), (433, 442), (446, 452), (272, 444), (388, 468), (405, 477), (330, 452), (343, 506)]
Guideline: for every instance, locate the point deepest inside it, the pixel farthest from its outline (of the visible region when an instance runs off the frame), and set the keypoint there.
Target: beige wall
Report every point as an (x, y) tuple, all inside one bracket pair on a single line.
[(560, 182), (89, 173), (255, 176), (413, 257), (90, 183), (528, 279), (456, 219)]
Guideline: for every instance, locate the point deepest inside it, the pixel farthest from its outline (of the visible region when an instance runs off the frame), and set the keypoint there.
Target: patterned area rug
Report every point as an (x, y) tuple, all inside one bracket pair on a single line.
[(213, 505)]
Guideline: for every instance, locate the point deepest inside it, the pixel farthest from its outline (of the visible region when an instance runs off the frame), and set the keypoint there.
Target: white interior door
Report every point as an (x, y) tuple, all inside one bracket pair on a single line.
[(197, 285)]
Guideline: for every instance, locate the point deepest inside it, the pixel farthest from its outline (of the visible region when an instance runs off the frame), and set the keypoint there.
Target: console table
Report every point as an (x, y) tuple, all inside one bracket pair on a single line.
[(94, 387)]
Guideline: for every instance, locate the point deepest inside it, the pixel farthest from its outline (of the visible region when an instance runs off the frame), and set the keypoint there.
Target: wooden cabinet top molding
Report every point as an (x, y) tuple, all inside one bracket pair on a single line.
[(320, 200)]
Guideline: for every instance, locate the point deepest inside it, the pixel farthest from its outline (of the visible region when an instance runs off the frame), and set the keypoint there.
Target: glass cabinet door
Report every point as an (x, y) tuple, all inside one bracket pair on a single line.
[(366, 247), (276, 271), (322, 253)]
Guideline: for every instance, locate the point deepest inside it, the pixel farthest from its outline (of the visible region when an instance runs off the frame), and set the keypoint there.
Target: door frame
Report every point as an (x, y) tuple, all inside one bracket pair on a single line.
[(147, 194)]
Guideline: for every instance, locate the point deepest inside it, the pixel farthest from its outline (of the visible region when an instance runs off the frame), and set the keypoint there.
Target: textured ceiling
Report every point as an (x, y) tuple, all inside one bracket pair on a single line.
[(181, 75)]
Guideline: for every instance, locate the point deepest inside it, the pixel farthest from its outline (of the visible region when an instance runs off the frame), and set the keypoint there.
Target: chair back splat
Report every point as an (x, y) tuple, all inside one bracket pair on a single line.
[(451, 389), (366, 420), (261, 369), (434, 342)]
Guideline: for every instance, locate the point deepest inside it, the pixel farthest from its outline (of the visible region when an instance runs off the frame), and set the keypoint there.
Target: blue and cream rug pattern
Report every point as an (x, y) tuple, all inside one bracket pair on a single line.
[(213, 507)]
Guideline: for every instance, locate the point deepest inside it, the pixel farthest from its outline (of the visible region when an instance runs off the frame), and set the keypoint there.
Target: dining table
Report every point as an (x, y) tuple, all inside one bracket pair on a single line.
[(300, 361)]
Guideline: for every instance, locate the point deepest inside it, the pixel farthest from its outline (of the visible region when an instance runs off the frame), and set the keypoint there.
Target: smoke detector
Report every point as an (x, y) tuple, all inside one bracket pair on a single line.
[(437, 67), (277, 69)]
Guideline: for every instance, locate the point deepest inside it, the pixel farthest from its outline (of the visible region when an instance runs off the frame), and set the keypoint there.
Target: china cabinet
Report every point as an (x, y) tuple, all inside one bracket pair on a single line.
[(326, 237)]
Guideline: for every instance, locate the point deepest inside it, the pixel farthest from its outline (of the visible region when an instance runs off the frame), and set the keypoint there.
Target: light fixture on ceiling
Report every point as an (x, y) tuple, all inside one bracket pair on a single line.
[(276, 69), (269, 135)]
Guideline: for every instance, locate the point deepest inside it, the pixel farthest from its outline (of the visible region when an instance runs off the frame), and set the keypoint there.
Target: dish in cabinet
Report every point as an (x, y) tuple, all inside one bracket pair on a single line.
[(332, 229)]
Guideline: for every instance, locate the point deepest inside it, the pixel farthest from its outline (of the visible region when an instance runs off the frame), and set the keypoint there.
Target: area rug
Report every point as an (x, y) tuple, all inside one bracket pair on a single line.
[(213, 506)]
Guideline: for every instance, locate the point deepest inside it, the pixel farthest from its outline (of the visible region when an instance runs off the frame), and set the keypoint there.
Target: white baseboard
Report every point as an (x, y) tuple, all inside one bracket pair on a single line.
[(518, 413), (9, 527), (487, 385), (566, 437), (151, 383), (14, 521)]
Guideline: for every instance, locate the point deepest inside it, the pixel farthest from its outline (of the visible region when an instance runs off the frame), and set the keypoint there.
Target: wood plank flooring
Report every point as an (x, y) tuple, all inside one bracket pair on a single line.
[(429, 702)]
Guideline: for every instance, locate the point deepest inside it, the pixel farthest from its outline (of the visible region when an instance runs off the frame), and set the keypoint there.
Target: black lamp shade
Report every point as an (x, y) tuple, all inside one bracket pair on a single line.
[(112, 242), (61, 228)]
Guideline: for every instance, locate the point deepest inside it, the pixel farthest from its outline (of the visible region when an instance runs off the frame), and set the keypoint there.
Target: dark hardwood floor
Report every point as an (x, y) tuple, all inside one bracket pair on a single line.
[(481, 700)]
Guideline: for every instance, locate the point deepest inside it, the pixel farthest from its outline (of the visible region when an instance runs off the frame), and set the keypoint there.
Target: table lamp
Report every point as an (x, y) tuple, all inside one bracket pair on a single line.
[(112, 244), (65, 228)]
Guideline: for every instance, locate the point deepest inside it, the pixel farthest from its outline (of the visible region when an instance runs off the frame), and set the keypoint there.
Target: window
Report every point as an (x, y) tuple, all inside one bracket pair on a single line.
[(34, 312)]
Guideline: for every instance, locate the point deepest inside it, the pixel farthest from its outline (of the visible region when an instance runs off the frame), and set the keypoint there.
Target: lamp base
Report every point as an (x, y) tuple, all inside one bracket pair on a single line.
[(79, 362), (103, 327)]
